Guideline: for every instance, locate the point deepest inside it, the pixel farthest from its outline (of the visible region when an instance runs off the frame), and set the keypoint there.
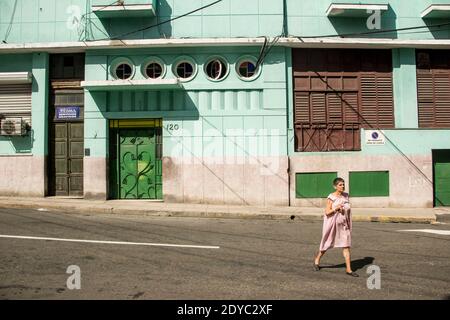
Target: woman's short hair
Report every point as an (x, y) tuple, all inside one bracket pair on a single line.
[(337, 180)]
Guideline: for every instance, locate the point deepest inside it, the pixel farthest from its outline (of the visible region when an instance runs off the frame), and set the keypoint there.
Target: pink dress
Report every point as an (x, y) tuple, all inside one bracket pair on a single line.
[(337, 229)]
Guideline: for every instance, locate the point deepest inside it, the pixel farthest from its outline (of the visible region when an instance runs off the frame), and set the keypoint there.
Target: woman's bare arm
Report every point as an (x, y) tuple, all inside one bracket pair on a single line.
[(329, 211)]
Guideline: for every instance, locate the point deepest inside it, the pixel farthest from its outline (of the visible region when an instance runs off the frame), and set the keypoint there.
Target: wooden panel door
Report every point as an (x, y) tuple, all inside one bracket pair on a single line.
[(66, 159)]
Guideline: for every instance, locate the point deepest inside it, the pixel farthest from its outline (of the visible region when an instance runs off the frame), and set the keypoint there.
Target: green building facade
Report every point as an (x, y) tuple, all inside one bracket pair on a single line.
[(242, 102)]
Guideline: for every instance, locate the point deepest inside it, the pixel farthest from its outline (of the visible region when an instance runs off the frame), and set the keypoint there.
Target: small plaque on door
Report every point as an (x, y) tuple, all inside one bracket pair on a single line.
[(87, 152), (67, 113)]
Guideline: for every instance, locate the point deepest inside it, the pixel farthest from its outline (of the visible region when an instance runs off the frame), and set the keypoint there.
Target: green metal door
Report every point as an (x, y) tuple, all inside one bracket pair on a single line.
[(139, 169), (441, 167)]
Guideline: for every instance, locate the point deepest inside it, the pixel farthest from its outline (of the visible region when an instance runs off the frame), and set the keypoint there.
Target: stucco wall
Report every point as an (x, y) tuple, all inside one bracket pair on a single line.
[(22, 176), (408, 187), (260, 181)]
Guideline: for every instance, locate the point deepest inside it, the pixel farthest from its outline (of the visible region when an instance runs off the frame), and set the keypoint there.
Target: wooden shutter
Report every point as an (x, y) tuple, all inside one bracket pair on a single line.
[(318, 108), (425, 96), (335, 90), (334, 106), (442, 101), (377, 100), (433, 88), (350, 107), (302, 113)]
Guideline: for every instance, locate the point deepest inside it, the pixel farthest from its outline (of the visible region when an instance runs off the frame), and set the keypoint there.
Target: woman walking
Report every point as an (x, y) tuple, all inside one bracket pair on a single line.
[(337, 226)]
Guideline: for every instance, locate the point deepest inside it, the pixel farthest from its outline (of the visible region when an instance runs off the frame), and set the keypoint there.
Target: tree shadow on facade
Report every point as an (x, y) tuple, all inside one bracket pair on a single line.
[(352, 27), (356, 264)]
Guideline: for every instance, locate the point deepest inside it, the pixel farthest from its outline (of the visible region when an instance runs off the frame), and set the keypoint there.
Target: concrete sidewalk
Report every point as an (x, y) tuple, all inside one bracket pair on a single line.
[(158, 208)]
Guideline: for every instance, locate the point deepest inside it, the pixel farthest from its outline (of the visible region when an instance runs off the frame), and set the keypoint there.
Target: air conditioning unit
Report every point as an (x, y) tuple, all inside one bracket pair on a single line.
[(10, 126)]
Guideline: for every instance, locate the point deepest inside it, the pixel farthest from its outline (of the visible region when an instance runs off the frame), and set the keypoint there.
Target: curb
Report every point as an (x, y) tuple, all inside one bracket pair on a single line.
[(224, 214), (443, 217)]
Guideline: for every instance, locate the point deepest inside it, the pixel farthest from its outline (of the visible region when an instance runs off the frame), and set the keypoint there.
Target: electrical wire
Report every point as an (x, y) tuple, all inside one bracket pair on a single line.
[(8, 30), (372, 127), (411, 162), (265, 49), (374, 32), (160, 23), (85, 21)]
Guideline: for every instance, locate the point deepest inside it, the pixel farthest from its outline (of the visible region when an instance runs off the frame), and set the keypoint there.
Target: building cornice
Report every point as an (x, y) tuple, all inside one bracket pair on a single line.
[(294, 42)]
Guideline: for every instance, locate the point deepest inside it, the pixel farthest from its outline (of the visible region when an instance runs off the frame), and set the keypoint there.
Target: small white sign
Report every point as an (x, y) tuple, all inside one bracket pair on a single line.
[(374, 137)]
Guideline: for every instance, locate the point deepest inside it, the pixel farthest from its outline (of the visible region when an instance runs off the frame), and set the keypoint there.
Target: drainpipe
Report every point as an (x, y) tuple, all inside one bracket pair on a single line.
[(285, 20), (288, 62), (285, 34)]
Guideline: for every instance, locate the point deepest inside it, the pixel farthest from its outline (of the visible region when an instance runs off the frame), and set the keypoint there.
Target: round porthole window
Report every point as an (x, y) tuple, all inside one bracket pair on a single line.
[(246, 69), (123, 71), (216, 69), (185, 69), (154, 70)]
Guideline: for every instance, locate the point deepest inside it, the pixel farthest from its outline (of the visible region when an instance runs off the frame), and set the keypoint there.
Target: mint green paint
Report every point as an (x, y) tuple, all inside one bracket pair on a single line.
[(52, 20), (16, 145), (39, 103), (113, 14), (95, 124), (405, 88), (420, 141), (96, 67), (213, 119), (410, 142), (308, 18), (16, 62), (96, 137), (290, 103), (406, 117)]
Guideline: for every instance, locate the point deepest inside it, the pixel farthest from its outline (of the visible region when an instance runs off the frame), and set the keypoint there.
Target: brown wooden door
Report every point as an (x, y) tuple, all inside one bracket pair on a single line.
[(66, 143), (66, 129), (66, 159)]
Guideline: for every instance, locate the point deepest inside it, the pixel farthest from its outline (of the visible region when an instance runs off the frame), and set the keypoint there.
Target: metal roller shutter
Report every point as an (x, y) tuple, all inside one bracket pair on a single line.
[(15, 101)]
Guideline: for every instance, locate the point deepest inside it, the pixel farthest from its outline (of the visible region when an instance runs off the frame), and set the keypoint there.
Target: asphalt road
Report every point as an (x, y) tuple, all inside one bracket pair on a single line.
[(255, 259)]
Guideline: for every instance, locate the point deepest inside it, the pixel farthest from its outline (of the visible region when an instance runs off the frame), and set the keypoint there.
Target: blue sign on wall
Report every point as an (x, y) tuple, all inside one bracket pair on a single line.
[(67, 112)]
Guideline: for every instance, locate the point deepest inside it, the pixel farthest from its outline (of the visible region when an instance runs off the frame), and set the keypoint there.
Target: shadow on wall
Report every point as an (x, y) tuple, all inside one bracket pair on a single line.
[(176, 104), (21, 144), (344, 26), (442, 32), (140, 27)]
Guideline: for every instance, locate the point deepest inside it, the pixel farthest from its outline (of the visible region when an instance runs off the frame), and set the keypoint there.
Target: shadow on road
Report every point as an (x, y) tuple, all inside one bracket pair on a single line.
[(356, 264)]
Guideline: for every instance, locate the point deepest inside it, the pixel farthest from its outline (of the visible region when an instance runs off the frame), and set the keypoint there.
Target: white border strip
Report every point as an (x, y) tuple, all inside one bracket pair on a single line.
[(336, 42), (125, 7), (441, 232), (110, 242), (362, 7), (435, 7)]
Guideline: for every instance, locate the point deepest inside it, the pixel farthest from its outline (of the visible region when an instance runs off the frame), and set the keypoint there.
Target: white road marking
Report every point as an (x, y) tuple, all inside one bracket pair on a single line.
[(111, 242), (442, 232), (42, 209)]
